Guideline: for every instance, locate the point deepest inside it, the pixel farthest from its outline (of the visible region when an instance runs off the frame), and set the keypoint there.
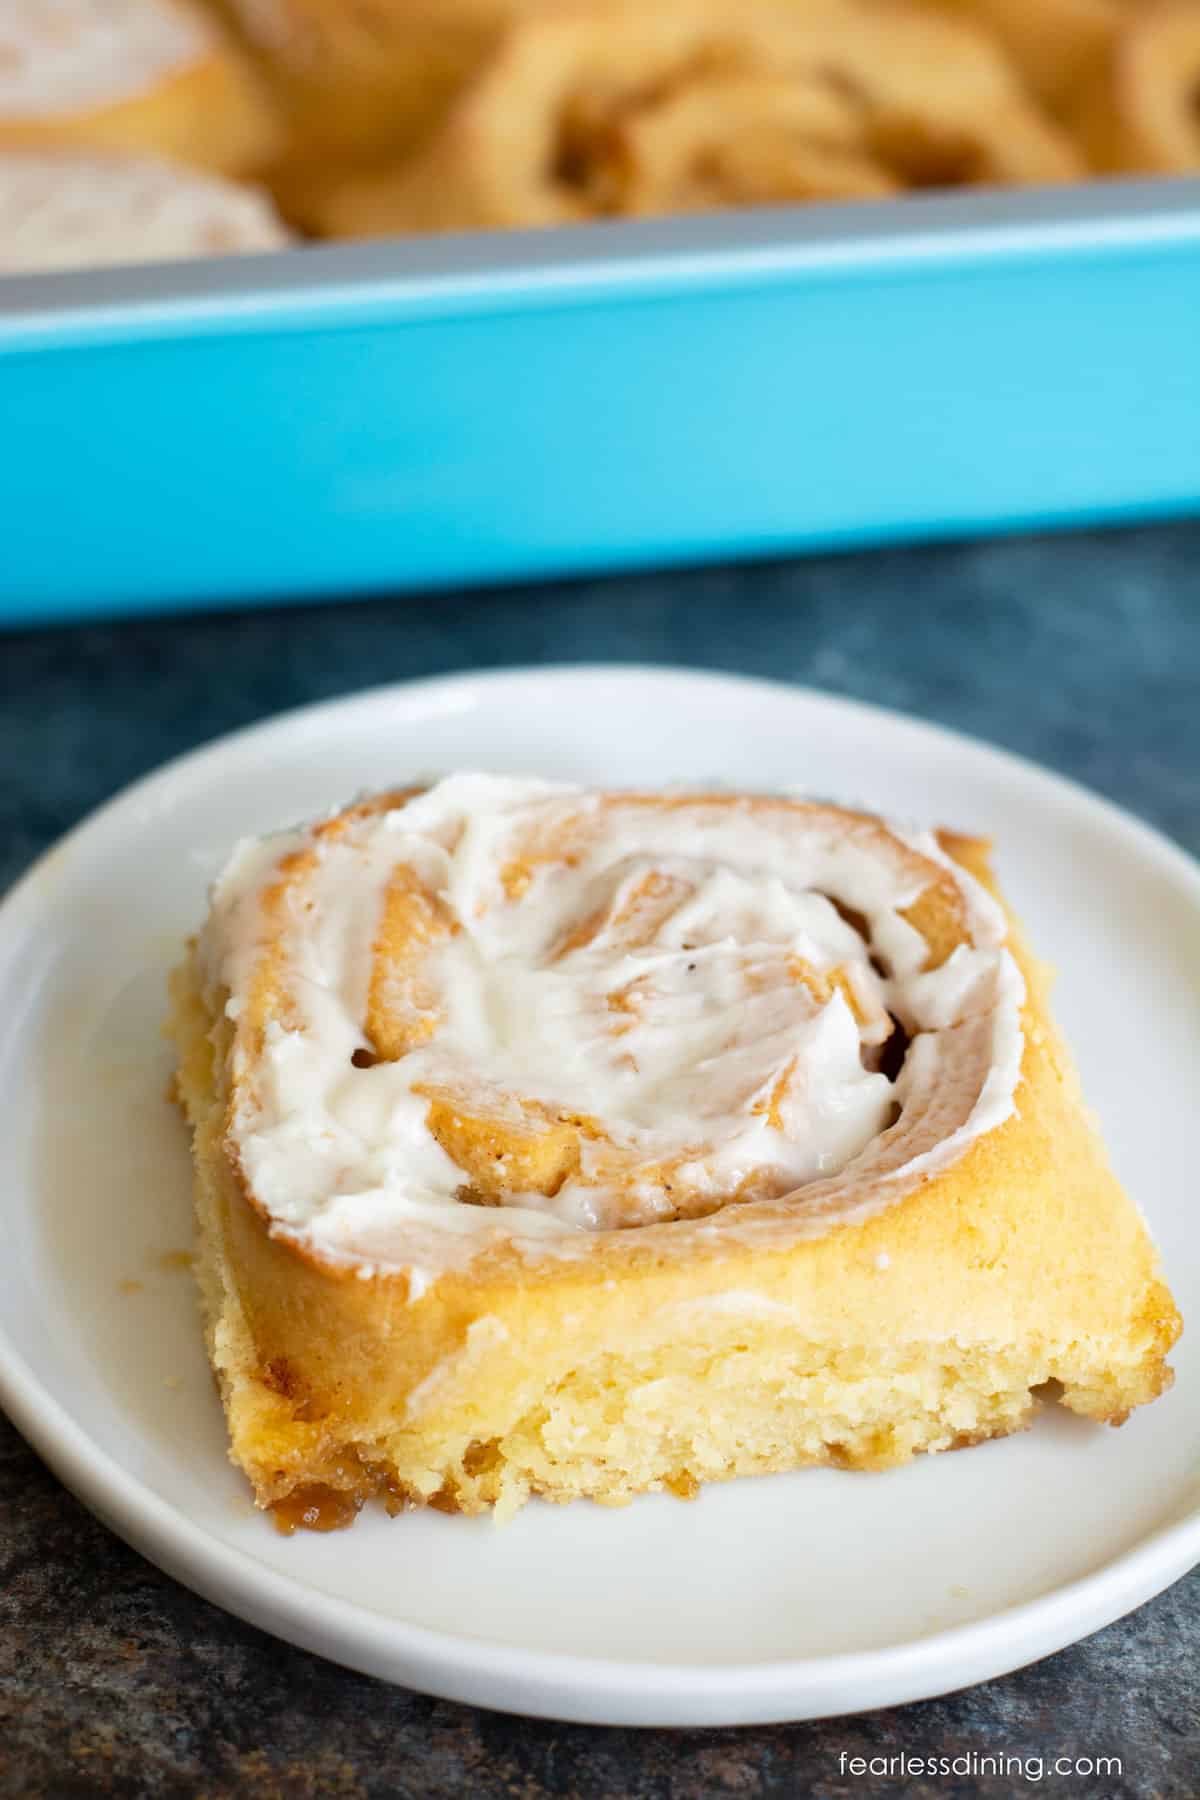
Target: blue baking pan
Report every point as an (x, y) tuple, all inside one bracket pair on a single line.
[(411, 414)]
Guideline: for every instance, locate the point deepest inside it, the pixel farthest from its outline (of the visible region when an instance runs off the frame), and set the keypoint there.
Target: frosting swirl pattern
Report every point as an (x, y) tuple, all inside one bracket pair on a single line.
[(515, 1009)]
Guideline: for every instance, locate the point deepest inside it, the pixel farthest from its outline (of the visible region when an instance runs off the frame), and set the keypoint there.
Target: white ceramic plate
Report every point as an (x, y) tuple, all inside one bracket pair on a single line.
[(782, 1598)]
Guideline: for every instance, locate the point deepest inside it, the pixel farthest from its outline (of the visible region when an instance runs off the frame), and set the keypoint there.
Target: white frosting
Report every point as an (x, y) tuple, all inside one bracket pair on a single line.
[(67, 56), (648, 983), (63, 210)]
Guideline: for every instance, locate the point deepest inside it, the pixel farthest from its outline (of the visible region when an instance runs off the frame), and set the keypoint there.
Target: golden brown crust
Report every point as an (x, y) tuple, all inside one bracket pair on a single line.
[(1058, 45), (360, 85), (936, 1321), (1140, 110)]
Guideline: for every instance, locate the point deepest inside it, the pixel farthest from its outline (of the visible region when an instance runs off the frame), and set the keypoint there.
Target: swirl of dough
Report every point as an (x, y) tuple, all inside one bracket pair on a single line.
[(1141, 110), (501, 1007)]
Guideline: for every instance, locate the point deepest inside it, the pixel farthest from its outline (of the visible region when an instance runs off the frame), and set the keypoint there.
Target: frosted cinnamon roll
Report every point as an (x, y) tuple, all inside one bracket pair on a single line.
[(620, 110), (574, 1143), (150, 76), (1141, 111), (65, 209)]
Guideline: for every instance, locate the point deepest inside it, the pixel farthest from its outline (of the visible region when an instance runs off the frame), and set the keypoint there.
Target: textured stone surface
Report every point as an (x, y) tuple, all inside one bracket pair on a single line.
[(1081, 652)]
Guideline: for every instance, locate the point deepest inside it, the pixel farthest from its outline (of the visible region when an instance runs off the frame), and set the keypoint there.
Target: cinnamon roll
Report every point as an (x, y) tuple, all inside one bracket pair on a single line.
[(580, 1144), (148, 76), (618, 110)]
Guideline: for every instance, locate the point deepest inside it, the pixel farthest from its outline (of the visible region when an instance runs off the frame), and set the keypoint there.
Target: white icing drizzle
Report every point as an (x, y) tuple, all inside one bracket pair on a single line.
[(64, 210), (66, 56), (681, 1030)]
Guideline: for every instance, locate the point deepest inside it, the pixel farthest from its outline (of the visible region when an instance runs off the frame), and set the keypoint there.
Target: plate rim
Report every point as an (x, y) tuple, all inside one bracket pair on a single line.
[(487, 1671)]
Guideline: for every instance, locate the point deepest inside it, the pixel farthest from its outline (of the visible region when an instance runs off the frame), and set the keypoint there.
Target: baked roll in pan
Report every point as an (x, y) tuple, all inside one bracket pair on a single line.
[(366, 81)]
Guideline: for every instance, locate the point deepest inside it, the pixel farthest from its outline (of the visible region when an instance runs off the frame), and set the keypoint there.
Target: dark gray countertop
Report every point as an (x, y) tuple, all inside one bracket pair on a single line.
[(1082, 652)]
